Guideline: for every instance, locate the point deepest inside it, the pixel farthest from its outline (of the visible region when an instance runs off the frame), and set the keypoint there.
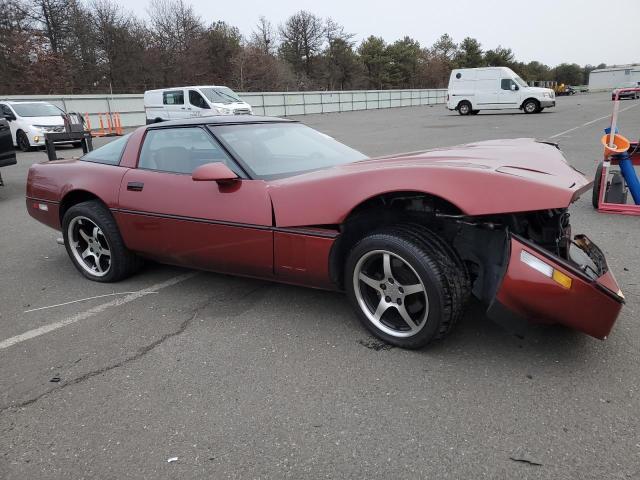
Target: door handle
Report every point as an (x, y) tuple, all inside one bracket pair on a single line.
[(135, 186)]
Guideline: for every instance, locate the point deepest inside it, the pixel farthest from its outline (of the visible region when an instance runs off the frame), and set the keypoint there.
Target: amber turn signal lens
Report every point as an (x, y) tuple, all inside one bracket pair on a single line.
[(561, 279)]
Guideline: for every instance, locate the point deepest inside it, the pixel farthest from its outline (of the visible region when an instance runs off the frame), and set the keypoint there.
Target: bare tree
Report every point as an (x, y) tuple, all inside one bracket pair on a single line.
[(302, 37), (264, 36), (175, 28), (53, 18)]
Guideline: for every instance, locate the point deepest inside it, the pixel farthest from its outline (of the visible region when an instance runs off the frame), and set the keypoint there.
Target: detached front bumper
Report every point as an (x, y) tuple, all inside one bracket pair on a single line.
[(542, 288)]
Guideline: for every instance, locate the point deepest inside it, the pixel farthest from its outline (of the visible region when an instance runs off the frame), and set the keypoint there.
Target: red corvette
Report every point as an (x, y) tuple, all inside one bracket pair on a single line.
[(409, 237)]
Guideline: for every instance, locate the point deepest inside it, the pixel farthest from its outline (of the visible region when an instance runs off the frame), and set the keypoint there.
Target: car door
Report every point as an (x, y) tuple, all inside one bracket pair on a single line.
[(174, 103), (7, 153), (509, 95), (10, 116), (198, 106), (164, 214)]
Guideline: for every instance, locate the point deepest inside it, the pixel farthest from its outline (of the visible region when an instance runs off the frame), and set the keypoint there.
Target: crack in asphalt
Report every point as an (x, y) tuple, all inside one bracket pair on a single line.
[(138, 355), (526, 461)]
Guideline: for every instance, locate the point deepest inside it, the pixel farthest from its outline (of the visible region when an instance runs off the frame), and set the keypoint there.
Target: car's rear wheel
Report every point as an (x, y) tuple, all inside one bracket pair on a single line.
[(94, 244), (464, 108), (531, 106), (405, 285), (23, 141)]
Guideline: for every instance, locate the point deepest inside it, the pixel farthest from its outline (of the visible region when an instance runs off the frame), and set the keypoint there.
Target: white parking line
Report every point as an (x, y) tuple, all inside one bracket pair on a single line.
[(79, 300), (590, 122), (94, 311)]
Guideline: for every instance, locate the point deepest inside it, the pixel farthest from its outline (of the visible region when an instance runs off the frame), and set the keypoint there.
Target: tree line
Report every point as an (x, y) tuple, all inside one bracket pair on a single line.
[(71, 46)]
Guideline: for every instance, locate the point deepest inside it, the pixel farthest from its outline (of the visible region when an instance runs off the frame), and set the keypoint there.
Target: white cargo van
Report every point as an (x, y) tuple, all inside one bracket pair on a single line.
[(494, 88), (197, 101)]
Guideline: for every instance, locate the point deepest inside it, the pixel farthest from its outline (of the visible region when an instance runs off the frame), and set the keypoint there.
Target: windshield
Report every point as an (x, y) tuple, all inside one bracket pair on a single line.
[(520, 82), (220, 95), (276, 150), (36, 110)]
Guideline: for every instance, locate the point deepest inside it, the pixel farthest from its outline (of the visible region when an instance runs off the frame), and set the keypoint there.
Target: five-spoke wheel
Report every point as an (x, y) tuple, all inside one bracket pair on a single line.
[(407, 286), (89, 246), (94, 244), (390, 293)]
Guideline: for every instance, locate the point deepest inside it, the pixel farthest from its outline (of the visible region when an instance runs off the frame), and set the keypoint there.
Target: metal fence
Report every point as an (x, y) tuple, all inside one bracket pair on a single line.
[(131, 106)]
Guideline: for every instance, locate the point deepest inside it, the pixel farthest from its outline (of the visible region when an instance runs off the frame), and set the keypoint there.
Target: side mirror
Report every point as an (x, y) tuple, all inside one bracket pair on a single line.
[(9, 117), (213, 172), (514, 87)]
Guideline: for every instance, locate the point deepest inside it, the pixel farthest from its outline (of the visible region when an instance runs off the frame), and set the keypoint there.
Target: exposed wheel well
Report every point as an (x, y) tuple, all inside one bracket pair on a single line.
[(73, 198), (385, 209)]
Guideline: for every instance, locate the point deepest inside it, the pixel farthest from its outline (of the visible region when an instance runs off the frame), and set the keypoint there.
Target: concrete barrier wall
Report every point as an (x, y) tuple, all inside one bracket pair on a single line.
[(131, 107)]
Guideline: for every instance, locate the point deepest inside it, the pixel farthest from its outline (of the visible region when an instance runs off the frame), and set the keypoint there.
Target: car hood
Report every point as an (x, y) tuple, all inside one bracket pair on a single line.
[(51, 120), (490, 177), (524, 157), (539, 90)]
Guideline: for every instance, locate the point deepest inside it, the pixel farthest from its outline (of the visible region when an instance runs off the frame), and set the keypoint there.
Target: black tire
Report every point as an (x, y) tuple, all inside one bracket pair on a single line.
[(540, 109), (464, 108), (531, 106), (123, 262), (23, 141), (437, 267), (596, 186), (475, 112)]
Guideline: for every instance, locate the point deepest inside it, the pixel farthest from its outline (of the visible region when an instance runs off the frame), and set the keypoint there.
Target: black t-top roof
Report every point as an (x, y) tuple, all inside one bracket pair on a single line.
[(221, 120)]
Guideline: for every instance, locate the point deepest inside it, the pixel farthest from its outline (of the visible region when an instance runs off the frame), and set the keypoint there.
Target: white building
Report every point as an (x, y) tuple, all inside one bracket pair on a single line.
[(612, 77)]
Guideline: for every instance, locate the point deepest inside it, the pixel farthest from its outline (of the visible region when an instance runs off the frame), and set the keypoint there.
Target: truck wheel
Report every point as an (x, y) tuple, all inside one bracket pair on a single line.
[(406, 289), (23, 141), (464, 108), (596, 186), (94, 244), (531, 106)]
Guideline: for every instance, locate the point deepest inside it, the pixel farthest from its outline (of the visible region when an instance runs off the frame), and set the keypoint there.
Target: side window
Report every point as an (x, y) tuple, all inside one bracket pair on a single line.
[(175, 97), (196, 100), (506, 83), (109, 154), (5, 110), (182, 150)]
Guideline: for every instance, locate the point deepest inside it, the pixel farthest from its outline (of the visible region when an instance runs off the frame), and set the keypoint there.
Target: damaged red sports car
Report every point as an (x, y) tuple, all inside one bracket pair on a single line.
[(409, 237)]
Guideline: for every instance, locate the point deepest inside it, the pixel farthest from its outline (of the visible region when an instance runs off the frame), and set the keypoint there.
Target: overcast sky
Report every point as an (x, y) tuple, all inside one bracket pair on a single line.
[(551, 31)]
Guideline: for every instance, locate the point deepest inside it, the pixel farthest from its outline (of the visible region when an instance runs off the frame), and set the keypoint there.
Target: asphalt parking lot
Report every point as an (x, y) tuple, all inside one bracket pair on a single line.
[(245, 379)]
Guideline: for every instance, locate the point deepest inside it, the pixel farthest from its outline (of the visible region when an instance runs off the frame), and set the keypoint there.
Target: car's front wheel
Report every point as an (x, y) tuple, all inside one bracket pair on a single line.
[(531, 106), (23, 141), (94, 244), (405, 285)]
